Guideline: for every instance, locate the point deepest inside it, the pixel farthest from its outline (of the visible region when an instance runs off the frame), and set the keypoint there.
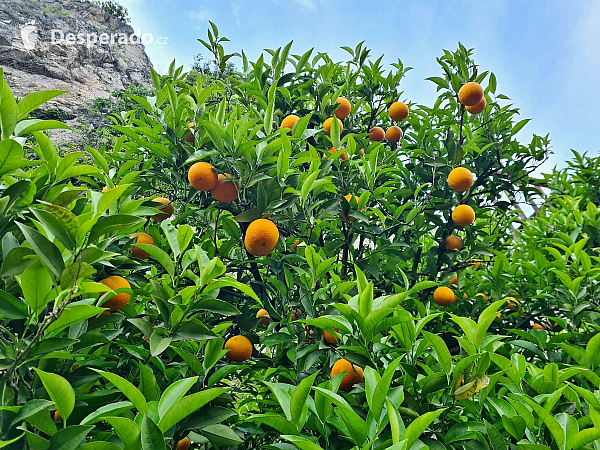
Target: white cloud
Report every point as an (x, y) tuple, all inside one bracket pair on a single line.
[(202, 14), (236, 9), (589, 31), (306, 5)]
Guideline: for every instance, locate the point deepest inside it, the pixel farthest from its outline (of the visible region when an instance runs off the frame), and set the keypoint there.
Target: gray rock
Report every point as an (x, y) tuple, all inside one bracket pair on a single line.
[(32, 62)]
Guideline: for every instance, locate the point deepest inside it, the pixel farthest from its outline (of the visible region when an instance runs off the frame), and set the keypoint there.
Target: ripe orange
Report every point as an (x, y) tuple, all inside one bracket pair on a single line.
[(327, 126), (330, 338), (343, 156), (354, 374), (265, 316), (482, 295), (460, 179), (398, 111), (289, 122), (512, 302), (470, 93), (202, 176), (261, 237), (443, 296), (344, 109), (116, 302), (376, 134), (167, 209), (479, 107), (225, 191), (454, 279), (361, 152), (295, 244), (56, 417), (240, 348), (465, 296), (348, 198), (105, 188), (141, 238), (463, 215), (453, 243), (184, 444), (393, 134)]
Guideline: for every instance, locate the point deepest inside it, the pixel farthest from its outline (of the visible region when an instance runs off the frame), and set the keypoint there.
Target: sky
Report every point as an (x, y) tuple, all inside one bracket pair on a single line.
[(545, 53)]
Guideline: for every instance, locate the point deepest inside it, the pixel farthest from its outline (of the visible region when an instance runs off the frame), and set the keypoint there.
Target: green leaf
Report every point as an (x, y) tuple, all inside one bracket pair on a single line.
[(231, 282), (187, 405), (381, 390), (298, 401), (497, 442), (159, 255), (302, 443), (174, 393), (354, 423), (185, 234), (33, 100), (60, 392), (270, 108), (222, 436), (128, 389), (36, 284), (275, 421), (148, 385), (152, 437), (11, 154), (11, 307), (128, 431), (419, 425), (441, 351), (551, 423), (70, 438), (72, 315), (73, 272), (109, 410), (26, 127), (124, 223), (585, 437), (30, 408), (518, 126), (44, 249), (55, 226)]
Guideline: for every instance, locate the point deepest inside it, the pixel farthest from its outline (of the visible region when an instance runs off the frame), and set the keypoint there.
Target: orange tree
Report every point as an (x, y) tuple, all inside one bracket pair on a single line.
[(295, 256)]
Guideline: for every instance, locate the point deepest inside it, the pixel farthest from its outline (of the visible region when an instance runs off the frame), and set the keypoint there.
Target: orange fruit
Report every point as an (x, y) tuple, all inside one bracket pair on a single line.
[(443, 296), (537, 326), (105, 188), (348, 198), (460, 179), (512, 302), (393, 134), (343, 156), (202, 176), (453, 243), (463, 215), (354, 374), (116, 302), (167, 209), (289, 122), (265, 316), (293, 317), (361, 152), (141, 238), (470, 93), (327, 126), (454, 279), (330, 338), (261, 237), (240, 348), (294, 247), (56, 416), (189, 138), (465, 296), (482, 295), (476, 265), (479, 107), (376, 134), (225, 191), (398, 111), (344, 109), (184, 444)]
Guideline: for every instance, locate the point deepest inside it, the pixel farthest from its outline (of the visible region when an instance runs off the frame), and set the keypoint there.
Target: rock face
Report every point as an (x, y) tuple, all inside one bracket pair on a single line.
[(34, 59)]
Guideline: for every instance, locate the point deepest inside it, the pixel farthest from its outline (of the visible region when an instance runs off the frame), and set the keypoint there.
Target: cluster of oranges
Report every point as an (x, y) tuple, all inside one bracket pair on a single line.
[(203, 177), (460, 179)]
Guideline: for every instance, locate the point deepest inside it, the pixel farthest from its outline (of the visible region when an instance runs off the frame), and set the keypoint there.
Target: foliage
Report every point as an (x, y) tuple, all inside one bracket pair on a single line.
[(472, 375)]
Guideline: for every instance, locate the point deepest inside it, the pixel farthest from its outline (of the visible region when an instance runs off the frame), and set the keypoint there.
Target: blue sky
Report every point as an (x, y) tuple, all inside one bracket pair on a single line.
[(545, 53)]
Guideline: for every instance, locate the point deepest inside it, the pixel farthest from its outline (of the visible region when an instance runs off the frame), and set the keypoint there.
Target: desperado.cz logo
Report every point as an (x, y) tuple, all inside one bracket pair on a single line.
[(29, 35)]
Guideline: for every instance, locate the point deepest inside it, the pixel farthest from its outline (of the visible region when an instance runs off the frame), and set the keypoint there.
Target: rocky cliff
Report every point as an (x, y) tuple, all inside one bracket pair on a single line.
[(35, 58)]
